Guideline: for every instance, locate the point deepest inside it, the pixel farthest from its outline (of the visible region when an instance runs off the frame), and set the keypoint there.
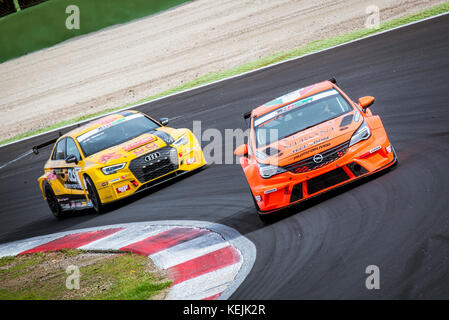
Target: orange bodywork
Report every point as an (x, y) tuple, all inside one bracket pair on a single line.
[(317, 159)]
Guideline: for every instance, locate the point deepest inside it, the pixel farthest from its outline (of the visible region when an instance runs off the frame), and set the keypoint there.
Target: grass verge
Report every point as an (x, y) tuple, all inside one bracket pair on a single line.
[(311, 47), (44, 25), (103, 276)]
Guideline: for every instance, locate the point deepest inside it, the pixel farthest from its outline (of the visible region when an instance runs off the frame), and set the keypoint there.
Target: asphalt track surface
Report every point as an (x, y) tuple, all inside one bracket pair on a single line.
[(398, 221)]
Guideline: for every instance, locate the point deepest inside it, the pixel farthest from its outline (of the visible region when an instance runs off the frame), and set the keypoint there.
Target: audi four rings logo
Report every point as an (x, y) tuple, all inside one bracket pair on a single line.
[(318, 158), (152, 156)]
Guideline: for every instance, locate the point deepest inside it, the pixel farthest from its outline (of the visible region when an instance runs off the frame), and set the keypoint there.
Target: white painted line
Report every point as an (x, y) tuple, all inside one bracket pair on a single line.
[(201, 285), (231, 77), (125, 237), (188, 250)]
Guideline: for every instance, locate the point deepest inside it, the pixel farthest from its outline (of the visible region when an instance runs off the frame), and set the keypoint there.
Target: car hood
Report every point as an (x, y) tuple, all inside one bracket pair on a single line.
[(132, 149), (311, 141)]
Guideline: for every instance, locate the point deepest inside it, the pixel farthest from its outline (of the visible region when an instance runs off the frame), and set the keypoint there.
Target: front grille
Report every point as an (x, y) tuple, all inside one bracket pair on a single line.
[(326, 180), (296, 192), (154, 164), (308, 164)]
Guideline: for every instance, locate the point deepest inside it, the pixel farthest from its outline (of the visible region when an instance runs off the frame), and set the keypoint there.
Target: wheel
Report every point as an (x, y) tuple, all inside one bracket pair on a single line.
[(52, 201), (92, 194)]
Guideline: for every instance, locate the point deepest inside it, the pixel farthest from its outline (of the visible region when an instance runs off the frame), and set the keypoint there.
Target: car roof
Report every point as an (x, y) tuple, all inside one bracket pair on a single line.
[(98, 123), (291, 97)]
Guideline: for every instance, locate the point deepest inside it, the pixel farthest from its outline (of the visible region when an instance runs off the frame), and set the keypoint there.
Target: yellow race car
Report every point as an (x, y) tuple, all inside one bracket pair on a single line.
[(113, 157)]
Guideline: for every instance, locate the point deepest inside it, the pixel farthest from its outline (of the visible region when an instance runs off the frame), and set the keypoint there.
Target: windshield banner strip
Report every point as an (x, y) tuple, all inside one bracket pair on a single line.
[(293, 106), (90, 133)]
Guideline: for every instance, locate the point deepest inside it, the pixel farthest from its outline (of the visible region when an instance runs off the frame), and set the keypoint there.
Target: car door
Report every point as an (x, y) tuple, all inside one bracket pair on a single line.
[(65, 182), (74, 175), (58, 174)]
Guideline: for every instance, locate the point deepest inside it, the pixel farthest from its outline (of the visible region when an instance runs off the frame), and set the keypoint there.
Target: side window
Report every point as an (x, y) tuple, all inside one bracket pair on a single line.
[(59, 152), (72, 149)]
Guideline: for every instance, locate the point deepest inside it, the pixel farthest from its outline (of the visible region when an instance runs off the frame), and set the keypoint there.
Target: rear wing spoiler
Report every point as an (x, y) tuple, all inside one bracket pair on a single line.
[(42, 145), (45, 144)]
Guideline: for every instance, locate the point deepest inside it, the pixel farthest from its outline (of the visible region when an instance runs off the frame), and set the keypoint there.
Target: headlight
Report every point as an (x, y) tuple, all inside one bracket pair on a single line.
[(267, 171), (113, 169), (181, 141), (362, 133)]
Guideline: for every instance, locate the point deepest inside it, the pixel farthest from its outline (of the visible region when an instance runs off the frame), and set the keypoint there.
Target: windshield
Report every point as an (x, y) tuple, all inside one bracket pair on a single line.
[(297, 116), (114, 133)]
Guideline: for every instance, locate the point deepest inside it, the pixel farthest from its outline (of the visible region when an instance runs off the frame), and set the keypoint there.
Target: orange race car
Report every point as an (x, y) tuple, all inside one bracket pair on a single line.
[(308, 142)]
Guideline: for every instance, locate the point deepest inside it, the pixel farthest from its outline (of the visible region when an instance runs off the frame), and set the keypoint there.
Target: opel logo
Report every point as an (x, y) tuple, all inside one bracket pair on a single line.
[(152, 156), (318, 158)]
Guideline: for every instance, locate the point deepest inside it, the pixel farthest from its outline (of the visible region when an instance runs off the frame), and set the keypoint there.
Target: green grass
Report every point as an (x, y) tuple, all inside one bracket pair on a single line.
[(265, 61), (44, 25), (123, 276)]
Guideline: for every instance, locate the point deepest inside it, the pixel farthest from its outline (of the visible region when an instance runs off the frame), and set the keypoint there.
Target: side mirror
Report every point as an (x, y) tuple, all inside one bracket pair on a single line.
[(241, 150), (71, 159), (366, 102), (163, 121)]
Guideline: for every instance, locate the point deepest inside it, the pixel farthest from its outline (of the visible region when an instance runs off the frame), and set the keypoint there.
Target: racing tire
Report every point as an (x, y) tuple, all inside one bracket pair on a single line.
[(93, 196), (52, 201)]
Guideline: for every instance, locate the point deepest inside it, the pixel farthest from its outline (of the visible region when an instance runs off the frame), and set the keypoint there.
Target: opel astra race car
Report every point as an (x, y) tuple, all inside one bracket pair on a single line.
[(308, 142), (113, 157)]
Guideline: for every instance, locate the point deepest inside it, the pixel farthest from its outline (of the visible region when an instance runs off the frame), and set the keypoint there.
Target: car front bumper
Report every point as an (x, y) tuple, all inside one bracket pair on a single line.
[(287, 189)]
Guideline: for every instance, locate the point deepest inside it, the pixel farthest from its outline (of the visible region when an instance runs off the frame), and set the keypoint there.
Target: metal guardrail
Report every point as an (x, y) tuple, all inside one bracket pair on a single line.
[(12, 6)]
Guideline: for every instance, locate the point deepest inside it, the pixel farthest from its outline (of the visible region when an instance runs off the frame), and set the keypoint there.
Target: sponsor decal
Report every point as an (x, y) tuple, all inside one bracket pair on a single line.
[(312, 150), (310, 144), (191, 160), (147, 148), (258, 198), (51, 176), (307, 135), (109, 156), (138, 143), (296, 94), (297, 104), (388, 149), (114, 180), (270, 191), (106, 123), (123, 188), (375, 149)]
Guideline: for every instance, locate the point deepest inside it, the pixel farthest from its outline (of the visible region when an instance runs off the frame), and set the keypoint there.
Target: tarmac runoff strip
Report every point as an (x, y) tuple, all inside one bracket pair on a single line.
[(206, 261)]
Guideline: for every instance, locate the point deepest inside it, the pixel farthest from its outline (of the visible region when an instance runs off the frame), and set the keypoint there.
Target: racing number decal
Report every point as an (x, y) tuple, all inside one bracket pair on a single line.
[(73, 180)]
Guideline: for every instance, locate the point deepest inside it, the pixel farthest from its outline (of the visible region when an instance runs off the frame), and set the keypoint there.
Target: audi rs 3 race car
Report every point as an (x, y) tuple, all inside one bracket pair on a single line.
[(114, 157), (308, 142)]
